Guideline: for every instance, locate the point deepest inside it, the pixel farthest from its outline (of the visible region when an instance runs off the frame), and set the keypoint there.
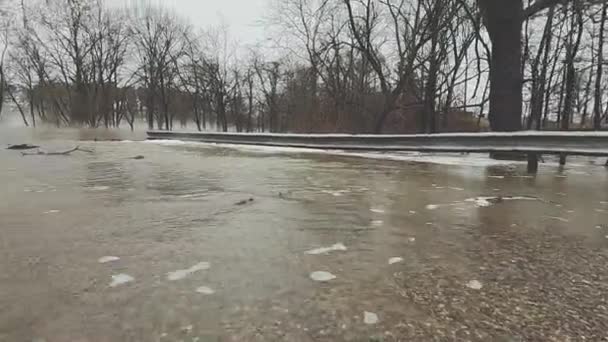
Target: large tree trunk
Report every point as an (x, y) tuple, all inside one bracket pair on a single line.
[(504, 20)]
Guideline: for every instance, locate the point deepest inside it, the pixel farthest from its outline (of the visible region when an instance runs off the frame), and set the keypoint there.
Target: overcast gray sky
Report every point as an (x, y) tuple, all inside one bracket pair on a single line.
[(242, 16)]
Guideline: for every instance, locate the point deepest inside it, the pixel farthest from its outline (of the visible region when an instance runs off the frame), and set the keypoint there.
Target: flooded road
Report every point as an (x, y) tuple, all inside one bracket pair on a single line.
[(198, 242)]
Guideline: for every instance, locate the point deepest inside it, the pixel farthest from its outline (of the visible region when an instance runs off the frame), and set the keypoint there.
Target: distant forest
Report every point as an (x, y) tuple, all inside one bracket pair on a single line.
[(355, 66)]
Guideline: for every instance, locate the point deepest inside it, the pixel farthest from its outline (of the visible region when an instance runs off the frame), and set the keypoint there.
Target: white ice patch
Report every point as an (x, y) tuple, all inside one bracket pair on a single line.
[(120, 279), (395, 260), (432, 206), (181, 274), (323, 250), (322, 276), (107, 259), (205, 290), (99, 188), (475, 285), (51, 211), (377, 211), (370, 318)]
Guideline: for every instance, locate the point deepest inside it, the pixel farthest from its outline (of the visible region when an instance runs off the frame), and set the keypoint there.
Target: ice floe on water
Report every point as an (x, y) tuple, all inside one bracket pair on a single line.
[(205, 290), (557, 218), (121, 279), (486, 201), (395, 260), (322, 276), (481, 201), (181, 274), (52, 212), (475, 285), (335, 193), (99, 188), (370, 318), (323, 250), (107, 259)]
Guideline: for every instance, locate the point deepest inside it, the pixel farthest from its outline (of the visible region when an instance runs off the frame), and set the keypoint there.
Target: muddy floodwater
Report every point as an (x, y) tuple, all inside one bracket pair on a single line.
[(199, 242)]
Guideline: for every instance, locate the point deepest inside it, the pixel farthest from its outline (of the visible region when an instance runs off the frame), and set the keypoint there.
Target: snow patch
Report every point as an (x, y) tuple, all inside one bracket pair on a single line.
[(107, 259), (322, 276), (121, 279), (324, 250), (395, 260), (181, 274)]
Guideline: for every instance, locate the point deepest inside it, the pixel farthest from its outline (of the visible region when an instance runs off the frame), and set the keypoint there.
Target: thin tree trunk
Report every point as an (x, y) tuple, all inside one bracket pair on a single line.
[(597, 104)]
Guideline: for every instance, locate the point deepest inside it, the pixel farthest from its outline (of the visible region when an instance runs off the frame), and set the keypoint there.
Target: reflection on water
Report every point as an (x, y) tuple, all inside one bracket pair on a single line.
[(88, 241)]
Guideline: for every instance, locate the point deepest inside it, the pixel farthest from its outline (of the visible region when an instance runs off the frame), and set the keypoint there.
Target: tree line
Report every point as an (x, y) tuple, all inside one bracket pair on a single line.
[(332, 66)]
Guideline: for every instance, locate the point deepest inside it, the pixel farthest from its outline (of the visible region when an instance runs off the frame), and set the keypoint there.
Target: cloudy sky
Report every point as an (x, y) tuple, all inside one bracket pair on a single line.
[(242, 16)]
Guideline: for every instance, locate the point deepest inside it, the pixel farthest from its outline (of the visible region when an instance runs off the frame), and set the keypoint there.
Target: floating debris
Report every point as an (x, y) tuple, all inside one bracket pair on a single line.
[(99, 188), (322, 276), (455, 188), (600, 210), (205, 290), (370, 318), (432, 206), (107, 259), (497, 177), (323, 250), (377, 223), (412, 212), (243, 202), (120, 279), (475, 285), (187, 329), (139, 157), (412, 239), (181, 274), (52, 211), (395, 260), (377, 211)]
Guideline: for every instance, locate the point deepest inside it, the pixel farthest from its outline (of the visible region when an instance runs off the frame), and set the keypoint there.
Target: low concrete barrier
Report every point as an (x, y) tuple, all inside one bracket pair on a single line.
[(532, 143)]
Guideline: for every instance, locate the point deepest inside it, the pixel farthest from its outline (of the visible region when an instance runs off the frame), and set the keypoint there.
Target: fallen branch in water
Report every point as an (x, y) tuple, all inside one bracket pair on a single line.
[(62, 153), (22, 147)]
